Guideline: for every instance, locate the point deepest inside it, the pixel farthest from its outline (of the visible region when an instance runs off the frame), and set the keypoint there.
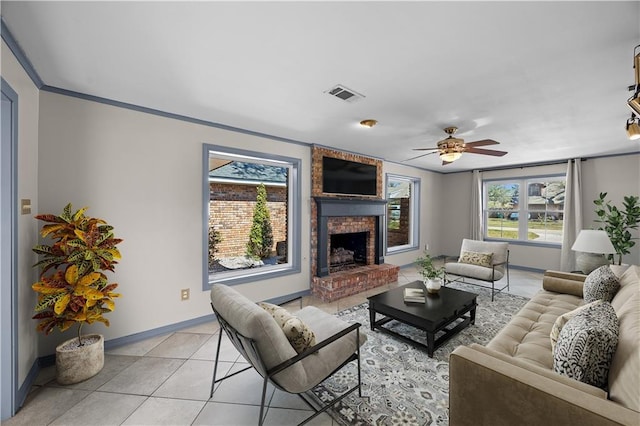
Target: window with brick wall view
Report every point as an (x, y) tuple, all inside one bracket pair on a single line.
[(526, 209), (248, 217), (402, 204)]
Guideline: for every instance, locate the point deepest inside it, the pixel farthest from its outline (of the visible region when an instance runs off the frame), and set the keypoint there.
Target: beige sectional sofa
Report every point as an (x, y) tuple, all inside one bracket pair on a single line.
[(511, 381)]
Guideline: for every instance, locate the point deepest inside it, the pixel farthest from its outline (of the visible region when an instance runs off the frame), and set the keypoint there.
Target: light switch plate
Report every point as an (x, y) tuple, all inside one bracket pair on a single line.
[(25, 206)]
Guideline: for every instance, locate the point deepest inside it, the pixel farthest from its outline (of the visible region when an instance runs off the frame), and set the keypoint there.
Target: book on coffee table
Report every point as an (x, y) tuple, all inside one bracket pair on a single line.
[(414, 295)]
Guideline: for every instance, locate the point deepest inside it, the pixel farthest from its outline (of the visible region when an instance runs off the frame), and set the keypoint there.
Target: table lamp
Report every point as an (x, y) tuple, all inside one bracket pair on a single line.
[(592, 245)]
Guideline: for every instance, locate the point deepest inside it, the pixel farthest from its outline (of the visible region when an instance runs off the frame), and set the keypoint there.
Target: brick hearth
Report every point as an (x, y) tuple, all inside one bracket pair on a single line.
[(346, 283)]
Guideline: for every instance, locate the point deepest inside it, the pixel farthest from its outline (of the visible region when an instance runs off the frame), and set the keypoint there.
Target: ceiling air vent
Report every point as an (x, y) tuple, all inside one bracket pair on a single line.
[(344, 93)]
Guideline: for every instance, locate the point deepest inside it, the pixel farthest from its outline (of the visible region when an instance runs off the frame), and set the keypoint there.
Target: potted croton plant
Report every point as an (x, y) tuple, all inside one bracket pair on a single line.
[(73, 288)]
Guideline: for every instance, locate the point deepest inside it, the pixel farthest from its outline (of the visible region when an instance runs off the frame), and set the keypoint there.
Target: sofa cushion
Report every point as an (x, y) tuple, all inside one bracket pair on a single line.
[(563, 282), (297, 332), (562, 320), (540, 371), (526, 336), (586, 345), (601, 283), (476, 258), (475, 271), (625, 366)]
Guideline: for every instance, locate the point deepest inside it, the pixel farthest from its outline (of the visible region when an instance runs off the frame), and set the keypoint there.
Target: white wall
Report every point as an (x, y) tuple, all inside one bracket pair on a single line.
[(27, 175), (430, 212), (455, 205), (618, 176), (143, 174)]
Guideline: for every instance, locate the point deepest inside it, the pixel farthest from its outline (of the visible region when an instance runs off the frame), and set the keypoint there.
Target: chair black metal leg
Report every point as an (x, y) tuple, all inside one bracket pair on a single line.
[(264, 395), (215, 365)]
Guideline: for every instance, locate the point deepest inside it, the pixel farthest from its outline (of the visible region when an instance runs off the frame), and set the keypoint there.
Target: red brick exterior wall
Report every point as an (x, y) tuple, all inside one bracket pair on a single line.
[(231, 213), (400, 237)]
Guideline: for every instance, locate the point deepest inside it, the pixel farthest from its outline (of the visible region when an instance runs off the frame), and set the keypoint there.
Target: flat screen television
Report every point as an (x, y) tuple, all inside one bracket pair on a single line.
[(348, 177)]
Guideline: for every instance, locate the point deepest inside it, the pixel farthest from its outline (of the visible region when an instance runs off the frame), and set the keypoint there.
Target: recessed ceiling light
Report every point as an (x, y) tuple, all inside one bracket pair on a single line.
[(368, 122)]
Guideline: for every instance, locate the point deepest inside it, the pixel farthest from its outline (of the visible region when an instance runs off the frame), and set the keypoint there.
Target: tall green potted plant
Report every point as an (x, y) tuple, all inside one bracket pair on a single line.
[(617, 222), (73, 288)]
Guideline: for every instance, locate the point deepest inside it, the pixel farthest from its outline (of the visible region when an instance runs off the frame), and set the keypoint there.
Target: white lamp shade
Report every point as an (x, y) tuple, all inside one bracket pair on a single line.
[(593, 241)]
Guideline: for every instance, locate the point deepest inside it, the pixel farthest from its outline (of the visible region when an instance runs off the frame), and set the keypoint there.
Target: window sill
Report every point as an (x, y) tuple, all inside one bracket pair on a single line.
[(526, 243)]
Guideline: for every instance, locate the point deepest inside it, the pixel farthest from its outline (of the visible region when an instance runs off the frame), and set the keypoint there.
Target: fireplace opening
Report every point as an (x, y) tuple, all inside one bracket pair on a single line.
[(347, 250)]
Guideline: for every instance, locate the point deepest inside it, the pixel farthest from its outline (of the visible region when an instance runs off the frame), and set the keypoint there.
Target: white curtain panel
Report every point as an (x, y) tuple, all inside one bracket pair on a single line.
[(572, 214), (476, 206)]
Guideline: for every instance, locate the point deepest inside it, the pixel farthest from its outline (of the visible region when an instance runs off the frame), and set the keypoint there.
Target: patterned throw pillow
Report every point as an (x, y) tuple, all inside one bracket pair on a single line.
[(601, 283), (562, 320), (299, 335), (586, 345), (475, 258)]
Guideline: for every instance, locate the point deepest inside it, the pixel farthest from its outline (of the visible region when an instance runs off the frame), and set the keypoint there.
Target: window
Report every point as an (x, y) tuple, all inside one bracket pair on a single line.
[(525, 209), (251, 215), (403, 201)]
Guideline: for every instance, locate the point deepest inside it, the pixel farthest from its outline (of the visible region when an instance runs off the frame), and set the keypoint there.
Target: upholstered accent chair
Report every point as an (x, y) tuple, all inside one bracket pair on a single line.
[(483, 261), (262, 342)]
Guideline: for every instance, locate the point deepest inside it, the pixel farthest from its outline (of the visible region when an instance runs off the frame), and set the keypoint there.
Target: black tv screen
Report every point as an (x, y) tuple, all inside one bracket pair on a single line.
[(348, 177)]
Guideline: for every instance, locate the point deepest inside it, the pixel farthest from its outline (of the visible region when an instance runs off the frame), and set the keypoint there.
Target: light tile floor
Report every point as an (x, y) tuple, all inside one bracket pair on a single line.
[(165, 380)]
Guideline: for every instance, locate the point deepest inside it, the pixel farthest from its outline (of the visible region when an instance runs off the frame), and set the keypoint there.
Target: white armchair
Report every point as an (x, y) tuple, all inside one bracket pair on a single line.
[(480, 261), (262, 343)]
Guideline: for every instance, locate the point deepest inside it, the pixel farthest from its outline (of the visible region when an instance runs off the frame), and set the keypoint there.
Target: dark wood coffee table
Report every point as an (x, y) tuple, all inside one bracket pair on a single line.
[(433, 316)]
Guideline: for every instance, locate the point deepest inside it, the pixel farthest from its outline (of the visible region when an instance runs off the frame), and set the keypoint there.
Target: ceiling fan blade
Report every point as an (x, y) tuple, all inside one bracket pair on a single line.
[(421, 155), (482, 142), (493, 152), (424, 149)]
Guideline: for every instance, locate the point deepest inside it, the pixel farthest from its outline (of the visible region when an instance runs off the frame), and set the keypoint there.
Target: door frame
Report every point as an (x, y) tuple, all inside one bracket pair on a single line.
[(8, 252)]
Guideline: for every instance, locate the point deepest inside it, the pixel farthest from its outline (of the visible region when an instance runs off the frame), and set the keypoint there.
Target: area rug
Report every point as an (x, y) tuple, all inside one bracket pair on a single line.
[(400, 383)]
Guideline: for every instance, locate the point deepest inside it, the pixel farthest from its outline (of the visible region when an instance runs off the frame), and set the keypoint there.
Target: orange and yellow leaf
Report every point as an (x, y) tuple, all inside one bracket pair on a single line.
[(61, 304)]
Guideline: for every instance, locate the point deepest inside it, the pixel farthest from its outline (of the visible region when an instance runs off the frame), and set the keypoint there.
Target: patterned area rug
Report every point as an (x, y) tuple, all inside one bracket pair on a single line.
[(400, 383)]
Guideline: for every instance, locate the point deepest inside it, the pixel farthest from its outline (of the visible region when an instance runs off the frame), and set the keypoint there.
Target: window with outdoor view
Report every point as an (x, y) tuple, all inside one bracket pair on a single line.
[(402, 194), (525, 209), (251, 222)]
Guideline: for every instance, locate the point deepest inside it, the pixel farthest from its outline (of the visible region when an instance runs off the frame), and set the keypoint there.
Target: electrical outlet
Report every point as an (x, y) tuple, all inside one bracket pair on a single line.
[(426, 247), (184, 294)]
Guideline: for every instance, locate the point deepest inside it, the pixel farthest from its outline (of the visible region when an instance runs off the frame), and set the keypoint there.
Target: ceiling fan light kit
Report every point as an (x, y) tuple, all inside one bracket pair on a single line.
[(452, 148), (450, 157)]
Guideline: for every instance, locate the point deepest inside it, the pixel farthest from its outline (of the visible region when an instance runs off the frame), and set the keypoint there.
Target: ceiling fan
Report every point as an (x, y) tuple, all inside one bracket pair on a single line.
[(451, 148)]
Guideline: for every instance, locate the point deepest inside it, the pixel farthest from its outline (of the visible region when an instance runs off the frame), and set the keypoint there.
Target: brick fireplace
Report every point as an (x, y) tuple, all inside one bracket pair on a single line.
[(356, 224)]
